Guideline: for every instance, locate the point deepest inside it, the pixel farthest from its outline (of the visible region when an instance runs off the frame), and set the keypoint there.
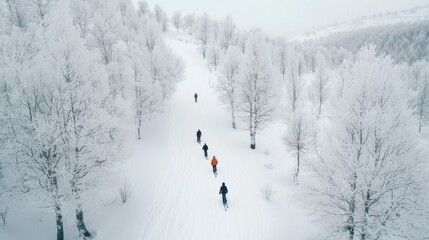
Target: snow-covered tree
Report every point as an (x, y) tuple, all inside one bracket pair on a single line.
[(321, 82), (7, 182), (227, 85), (144, 102), (214, 31), (41, 7), (280, 56), (158, 13), (227, 31), (297, 138), (161, 18), (18, 14), (34, 145), (214, 55), (5, 196), (130, 19), (188, 22), (294, 84), (256, 93), (91, 125), (419, 73), (103, 37), (203, 33), (164, 23), (177, 20), (366, 176), (152, 35), (166, 70), (81, 12), (240, 40), (69, 75), (143, 8)]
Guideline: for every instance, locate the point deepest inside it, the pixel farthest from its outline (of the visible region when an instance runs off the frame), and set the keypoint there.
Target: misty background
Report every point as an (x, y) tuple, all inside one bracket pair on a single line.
[(286, 17)]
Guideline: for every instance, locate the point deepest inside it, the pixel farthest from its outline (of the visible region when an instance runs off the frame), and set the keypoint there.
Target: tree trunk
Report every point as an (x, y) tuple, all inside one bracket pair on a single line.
[(320, 105), (252, 128), (351, 233), (3, 215), (140, 124), (50, 157), (294, 99), (59, 220), (420, 126), (365, 216), (352, 207), (351, 223), (420, 118), (84, 234), (252, 139), (297, 166), (422, 106), (233, 115)]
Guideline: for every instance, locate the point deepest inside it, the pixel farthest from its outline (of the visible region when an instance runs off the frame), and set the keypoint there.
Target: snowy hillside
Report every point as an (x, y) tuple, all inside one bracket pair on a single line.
[(175, 191), (416, 14), (101, 103)]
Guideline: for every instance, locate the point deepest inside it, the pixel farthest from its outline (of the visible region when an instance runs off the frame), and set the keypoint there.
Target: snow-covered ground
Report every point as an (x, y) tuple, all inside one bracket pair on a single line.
[(175, 192)]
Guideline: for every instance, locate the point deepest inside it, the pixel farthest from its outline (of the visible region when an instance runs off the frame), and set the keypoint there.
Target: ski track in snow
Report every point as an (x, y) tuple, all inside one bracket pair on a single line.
[(188, 205), (174, 194)]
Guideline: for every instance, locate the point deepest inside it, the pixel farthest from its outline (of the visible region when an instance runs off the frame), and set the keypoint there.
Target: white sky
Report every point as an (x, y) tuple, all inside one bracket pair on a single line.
[(283, 17)]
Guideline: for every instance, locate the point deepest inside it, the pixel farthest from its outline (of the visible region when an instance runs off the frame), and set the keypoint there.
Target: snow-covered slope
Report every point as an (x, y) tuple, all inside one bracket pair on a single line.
[(175, 192), (412, 15)]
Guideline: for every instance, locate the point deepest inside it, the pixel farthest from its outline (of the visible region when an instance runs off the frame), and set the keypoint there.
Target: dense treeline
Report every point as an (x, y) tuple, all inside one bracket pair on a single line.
[(74, 76), (405, 42)]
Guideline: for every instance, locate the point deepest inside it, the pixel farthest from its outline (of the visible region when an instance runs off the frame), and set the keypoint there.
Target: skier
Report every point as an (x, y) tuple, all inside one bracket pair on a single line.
[(224, 190), (205, 148), (214, 164), (199, 134), (196, 97)]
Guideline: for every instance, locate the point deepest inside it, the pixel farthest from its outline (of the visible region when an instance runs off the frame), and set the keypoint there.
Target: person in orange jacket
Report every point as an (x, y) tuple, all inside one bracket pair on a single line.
[(214, 163)]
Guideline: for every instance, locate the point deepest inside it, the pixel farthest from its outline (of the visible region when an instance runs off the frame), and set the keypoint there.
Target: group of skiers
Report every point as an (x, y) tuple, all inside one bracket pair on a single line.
[(223, 189)]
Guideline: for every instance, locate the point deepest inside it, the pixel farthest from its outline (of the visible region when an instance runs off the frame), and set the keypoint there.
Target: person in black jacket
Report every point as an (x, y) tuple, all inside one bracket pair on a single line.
[(223, 190), (196, 97), (199, 134), (205, 148)]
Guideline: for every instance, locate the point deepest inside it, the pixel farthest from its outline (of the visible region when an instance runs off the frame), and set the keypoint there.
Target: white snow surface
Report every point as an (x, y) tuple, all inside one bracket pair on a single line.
[(174, 192)]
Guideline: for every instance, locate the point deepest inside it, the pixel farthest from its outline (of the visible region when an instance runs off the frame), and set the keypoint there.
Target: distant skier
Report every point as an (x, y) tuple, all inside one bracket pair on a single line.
[(214, 164), (199, 134), (196, 97), (205, 148), (224, 190)]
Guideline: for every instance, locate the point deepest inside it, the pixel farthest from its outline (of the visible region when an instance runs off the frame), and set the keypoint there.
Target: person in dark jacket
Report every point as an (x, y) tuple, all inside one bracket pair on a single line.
[(196, 97), (205, 148), (199, 134), (223, 190)]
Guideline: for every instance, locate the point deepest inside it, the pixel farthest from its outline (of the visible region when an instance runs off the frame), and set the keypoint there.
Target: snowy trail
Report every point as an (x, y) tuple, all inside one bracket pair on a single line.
[(187, 205)]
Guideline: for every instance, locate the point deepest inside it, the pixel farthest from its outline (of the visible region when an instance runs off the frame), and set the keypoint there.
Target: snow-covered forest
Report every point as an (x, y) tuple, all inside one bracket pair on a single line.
[(317, 139), (78, 79)]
